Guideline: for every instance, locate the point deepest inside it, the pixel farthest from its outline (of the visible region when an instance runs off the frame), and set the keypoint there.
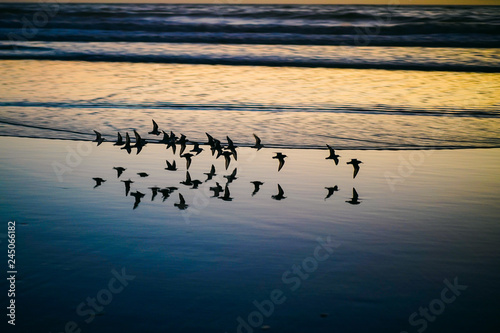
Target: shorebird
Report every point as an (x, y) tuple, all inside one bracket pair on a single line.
[(280, 195), (139, 142), (331, 191), (119, 141), (187, 156), (281, 158), (171, 142), (210, 139), (197, 149), (354, 200), (154, 190), (165, 192), (98, 181), (171, 166), (119, 170), (232, 176), (182, 204), (188, 181), (142, 174), (127, 145), (196, 183), (332, 156), (258, 144), (98, 138), (232, 147), (138, 196), (355, 163), (227, 194), (210, 174), (217, 147), (227, 157), (165, 138), (127, 186), (216, 189), (182, 141), (257, 184), (155, 129)]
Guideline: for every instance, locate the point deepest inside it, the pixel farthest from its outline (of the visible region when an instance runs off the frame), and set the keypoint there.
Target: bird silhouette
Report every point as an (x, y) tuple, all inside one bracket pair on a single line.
[(354, 200), (331, 191), (232, 176), (98, 138), (280, 195), (188, 181), (216, 189), (119, 170), (227, 195), (227, 157), (127, 186), (119, 141), (217, 147), (155, 129), (98, 181), (182, 203), (165, 192), (197, 149), (210, 140), (142, 174), (171, 166), (280, 158), (332, 156), (182, 141), (154, 191), (210, 174), (232, 147), (355, 163), (127, 145), (257, 184), (139, 142), (138, 196), (171, 142), (196, 183), (187, 156), (258, 144), (166, 138)]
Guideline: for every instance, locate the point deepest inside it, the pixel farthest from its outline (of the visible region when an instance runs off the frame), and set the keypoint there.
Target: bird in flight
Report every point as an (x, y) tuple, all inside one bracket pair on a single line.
[(197, 149), (354, 200), (182, 203), (142, 174), (98, 138), (119, 170), (232, 176), (355, 163), (280, 195), (232, 147), (258, 144), (332, 156), (280, 158), (227, 157), (155, 129), (331, 191), (98, 181), (171, 166), (210, 174), (257, 184), (216, 189), (187, 156), (127, 145), (138, 196), (139, 142), (127, 186), (119, 141), (154, 191), (227, 194)]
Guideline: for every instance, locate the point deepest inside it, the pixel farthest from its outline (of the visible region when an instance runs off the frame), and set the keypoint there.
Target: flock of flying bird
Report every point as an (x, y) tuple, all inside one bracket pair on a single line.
[(218, 149)]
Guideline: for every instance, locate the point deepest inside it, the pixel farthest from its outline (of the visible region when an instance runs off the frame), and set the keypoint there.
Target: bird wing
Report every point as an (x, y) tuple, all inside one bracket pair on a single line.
[(282, 162), (280, 191), (233, 174), (355, 195), (188, 177), (155, 126), (97, 135), (356, 170), (212, 170), (181, 198), (257, 140)]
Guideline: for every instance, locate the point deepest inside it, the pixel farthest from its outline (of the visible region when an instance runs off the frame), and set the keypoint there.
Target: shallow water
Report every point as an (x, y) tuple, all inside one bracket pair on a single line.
[(201, 268), (286, 106)]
